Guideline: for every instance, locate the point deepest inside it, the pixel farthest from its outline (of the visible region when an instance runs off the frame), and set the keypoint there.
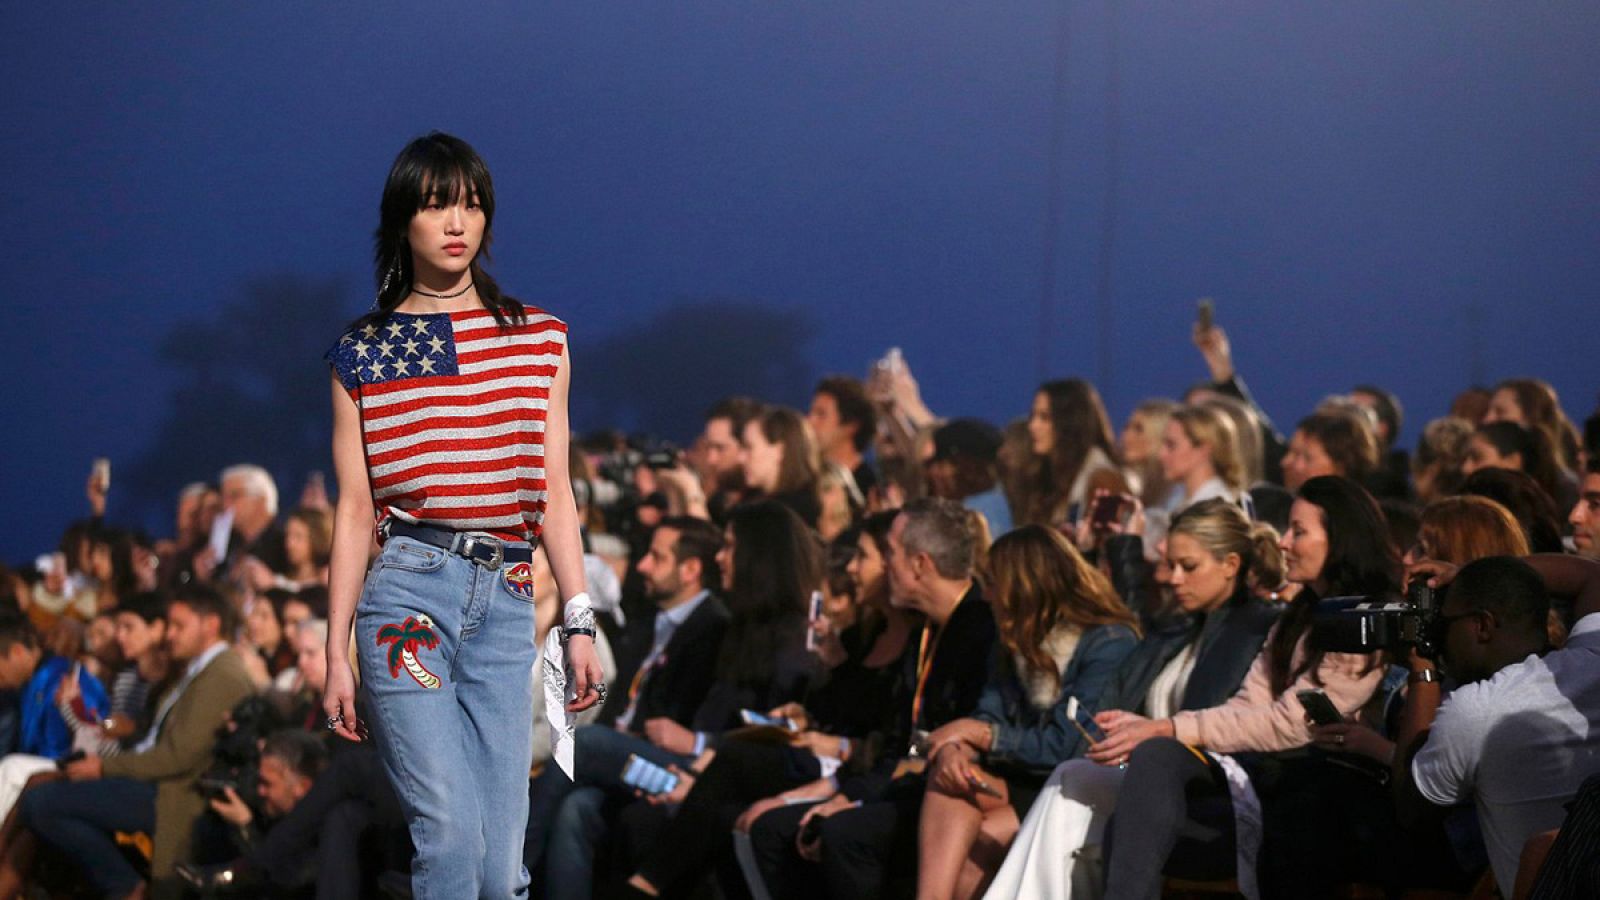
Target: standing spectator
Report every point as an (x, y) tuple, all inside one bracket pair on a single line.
[(780, 460), (1200, 458), (251, 496), (1507, 445), (1391, 477), (1140, 440), (1436, 468), (964, 467), (845, 422), (1585, 515), (1331, 442), (722, 454), (1073, 452), (1532, 403)]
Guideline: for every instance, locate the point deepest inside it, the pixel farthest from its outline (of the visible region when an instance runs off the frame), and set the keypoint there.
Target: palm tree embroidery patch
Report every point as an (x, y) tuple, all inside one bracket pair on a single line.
[(519, 580), (405, 640)]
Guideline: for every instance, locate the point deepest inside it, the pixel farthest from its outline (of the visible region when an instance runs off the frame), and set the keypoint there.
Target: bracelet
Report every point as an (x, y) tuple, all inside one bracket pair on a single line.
[(579, 621), (1426, 676), (568, 634)]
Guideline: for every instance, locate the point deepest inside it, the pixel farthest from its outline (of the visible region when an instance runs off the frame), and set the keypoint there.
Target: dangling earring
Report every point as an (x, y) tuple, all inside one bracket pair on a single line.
[(391, 274)]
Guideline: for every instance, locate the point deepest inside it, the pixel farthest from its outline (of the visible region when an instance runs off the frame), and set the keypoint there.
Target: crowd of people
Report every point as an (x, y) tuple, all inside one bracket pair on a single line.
[(863, 650)]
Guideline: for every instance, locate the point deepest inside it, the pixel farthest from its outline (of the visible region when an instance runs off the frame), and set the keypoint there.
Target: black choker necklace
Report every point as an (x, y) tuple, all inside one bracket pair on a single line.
[(417, 290)]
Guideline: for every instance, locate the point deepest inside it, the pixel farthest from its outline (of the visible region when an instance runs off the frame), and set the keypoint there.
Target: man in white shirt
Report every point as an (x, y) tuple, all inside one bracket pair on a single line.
[(1523, 729)]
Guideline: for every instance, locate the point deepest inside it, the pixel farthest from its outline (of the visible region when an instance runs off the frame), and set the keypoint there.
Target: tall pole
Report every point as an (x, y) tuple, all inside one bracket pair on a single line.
[(1106, 292), (1053, 201)]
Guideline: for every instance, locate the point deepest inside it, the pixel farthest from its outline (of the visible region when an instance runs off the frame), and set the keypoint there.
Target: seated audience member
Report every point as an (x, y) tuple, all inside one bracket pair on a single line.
[(41, 679), (1585, 515), (1521, 733), (1441, 453), (1073, 453), (251, 496), (1138, 443), (865, 844), (1392, 476), (1335, 442), (758, 770), (141, 622), (1064, 632), (151, 788), (1532, 403), (781, 461), (1193, 661), (1517, 491), (307, 546), (769, 564), (844, 421), (963, 467), (264, 643), (1329, 825), (1337, 545), (721, 454), (1507, 445), (839, 501), (1200, 458)]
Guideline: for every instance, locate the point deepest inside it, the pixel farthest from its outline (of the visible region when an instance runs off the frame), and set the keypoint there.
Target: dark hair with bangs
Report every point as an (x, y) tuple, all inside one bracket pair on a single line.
[(445, 166)]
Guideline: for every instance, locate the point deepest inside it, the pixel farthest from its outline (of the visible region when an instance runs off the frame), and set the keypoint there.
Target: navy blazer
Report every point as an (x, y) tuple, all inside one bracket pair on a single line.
[(1227, 641), (1036, 739)]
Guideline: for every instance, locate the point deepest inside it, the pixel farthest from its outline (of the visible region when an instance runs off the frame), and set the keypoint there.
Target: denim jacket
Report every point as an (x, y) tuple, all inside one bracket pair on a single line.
[(1038, 739)]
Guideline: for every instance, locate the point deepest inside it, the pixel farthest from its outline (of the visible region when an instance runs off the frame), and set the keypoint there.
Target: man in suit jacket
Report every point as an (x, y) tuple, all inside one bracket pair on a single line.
[(667, 664), (152, 788)]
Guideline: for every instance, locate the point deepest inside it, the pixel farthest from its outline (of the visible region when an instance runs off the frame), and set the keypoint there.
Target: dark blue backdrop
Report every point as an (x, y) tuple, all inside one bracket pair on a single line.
[(1401, 193)]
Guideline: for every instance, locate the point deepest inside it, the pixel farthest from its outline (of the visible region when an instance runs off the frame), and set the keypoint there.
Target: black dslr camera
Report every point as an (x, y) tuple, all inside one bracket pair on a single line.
[(1364, 624)]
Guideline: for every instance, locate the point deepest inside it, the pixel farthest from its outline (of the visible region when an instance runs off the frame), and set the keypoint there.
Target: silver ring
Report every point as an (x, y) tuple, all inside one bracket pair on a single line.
[(1339, 739), (333, 722), (600, 688)]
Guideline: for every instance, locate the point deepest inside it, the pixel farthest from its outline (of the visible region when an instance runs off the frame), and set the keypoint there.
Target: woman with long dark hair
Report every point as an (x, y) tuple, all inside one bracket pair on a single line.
[(780, 459), (1336, 545), (1072, 451), (450, 432)]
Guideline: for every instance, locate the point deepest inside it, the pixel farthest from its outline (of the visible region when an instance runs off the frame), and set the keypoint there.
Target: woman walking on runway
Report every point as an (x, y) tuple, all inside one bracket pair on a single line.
[(450, 432)]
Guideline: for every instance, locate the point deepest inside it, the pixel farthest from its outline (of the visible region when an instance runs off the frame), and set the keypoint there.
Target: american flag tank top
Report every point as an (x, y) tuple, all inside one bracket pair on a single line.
[(453, 411)]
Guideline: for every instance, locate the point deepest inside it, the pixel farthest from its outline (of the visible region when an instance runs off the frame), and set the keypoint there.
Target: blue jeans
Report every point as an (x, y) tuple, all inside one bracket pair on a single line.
[(446, 649), (81, 818)]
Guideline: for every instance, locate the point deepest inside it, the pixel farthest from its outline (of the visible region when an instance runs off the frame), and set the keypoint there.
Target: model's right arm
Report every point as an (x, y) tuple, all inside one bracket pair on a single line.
[(352, 536)]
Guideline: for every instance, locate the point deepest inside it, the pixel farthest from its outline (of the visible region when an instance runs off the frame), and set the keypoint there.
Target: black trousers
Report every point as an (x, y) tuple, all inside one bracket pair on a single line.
[(698, 837), (870, 851), (1173, 816), (1326, 825)]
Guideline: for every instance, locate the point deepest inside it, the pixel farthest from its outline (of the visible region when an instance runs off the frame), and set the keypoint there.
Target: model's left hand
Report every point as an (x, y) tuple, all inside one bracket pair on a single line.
[(586, 672)]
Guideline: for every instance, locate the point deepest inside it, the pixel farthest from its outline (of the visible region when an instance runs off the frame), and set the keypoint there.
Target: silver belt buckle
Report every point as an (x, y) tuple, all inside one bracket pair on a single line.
[(494, 561)]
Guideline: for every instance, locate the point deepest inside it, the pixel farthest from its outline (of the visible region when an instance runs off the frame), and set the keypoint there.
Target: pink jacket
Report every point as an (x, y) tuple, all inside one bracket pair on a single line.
[(1254, 720)]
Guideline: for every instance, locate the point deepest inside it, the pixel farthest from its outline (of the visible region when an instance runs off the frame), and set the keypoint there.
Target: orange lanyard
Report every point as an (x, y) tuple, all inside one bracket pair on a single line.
[(925, 654)]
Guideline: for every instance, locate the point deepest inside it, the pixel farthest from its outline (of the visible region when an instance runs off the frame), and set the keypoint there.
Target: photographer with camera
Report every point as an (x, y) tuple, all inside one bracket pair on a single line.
[(1522, 731), (1328, 819), (289, 763)]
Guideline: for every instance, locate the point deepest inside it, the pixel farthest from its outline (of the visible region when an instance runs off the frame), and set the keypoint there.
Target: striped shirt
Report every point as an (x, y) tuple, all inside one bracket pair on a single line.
[(453, 413)]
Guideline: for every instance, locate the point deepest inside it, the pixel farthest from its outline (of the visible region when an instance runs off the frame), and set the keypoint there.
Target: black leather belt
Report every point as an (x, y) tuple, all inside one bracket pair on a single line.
[(480, 548)]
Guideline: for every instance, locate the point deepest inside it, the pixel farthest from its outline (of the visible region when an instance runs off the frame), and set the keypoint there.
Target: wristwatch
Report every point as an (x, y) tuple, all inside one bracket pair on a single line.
[(1426, 676)]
